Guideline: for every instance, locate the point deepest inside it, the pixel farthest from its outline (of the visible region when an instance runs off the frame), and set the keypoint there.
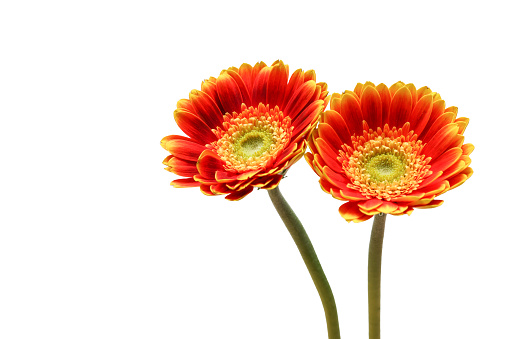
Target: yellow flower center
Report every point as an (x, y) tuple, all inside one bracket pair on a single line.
[(385, 164), (252, 139), (385, 167)]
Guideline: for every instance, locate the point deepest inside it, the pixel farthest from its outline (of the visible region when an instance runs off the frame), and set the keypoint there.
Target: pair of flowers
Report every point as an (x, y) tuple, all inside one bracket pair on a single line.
[(382, 149)]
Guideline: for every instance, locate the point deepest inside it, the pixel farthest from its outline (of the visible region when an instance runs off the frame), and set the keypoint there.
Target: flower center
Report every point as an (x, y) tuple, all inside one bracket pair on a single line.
[(385, 167), (253, 143), (252, 139), (385, 164)]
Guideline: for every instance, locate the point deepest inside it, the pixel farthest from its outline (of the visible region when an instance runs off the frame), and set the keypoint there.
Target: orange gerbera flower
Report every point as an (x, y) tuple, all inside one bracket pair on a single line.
[(389, 150), (245, 128)]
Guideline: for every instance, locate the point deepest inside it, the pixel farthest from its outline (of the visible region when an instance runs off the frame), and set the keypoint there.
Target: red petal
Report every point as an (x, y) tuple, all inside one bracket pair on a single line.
[(441, 141), (182, 183), (194, 127), (182, 167), (329, 155), (299, 99), (336, 121), (277, 85), (260, 86), (245, 72), (182, 147), (209, 163), (327, 133), (205, 189), (401, 107), (351, 112), (206, 108), (442, 120), (306, 119), (350, 211), (246, 98), (229, 93), (385, 97), (460, 178), (387, 207), (446, 160), (235, 196), (296, 80), (436, 111), (370, 204), (421, 113), (432, 204), (467, 149), (371, 106)]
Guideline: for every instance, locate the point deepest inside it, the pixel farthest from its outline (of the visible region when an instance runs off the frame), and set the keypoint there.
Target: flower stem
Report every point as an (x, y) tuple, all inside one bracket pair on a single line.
[(307, 252), (374, 274)]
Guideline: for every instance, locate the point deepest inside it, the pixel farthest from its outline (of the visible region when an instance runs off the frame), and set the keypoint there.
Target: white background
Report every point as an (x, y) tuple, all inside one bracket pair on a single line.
[(94, 243)]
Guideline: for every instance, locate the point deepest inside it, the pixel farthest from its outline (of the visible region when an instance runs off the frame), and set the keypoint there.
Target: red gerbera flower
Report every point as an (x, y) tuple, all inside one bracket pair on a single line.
[(389, 150), (245, 128)]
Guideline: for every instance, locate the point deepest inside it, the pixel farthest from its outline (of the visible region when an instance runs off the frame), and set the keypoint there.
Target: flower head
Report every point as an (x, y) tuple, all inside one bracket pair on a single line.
[(389, 150), (244, 128)]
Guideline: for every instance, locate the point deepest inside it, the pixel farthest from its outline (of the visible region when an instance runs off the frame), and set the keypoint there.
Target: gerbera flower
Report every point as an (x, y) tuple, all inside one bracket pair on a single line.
[(244, 128), (389, 150)]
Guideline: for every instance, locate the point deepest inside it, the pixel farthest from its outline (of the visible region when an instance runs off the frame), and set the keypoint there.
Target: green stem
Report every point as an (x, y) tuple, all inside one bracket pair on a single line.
[(374, 274), (307, 252)]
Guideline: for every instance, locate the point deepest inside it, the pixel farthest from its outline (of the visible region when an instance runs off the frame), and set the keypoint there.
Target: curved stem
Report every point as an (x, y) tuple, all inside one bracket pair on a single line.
[(307, 252), (374, 274)]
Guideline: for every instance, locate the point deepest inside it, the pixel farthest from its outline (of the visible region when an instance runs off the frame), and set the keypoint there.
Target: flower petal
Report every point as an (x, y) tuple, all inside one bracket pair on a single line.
[(351, 113), (336, 121), (208, 163), (371, 106), (441, 141), (194, 127), (182, 147), (187, 182), (401, 107), (206, 108), (235, 196), (300, 98), (229, 93), (350, 211)]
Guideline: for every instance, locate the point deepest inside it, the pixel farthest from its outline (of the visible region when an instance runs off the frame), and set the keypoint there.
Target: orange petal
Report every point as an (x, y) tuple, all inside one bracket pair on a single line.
[(421, 113), (181, 167), (296, 80), (350, 211), (371, 106), (182, 183), (370, 204), (206, 108), (446, 160), (235, 196), (385, 96), (246, 97), (229, 93), (401, 107), (432, 204), (277, 85), (182, 147), (209, 163), (327, 133), (460, 178), (387, 207), (440, 122), (194, 127), (440, 141), (328, 154), (336, 121), (467, 149), (299, 99), (352, 113)]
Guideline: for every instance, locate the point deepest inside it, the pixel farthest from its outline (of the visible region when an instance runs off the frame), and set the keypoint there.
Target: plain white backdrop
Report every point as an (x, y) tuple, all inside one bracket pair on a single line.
[(94, 243)]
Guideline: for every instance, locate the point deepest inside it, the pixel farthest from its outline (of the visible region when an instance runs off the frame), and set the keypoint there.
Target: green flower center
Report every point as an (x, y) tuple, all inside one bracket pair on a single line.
[(386, 167), (252, 144)]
